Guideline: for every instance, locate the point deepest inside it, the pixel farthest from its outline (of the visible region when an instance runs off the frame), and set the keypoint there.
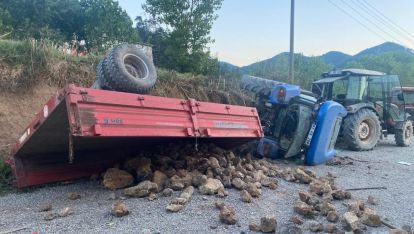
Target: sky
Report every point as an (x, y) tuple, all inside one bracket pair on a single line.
[(249, 31)]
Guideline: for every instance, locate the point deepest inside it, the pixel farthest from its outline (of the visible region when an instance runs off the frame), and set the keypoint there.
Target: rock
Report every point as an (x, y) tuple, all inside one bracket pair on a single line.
[(198, 180), (316, 227), (371, 200), (253, 190), (356, 207), (214, 163), (211, 186), (320, 187), (332, 216), (115, 178), (167, 192), (228, 215), (160, 179), (74, 196), (290, 229), (273, 186), (45, 207), (254, 227), (302, 176), (351, 222), (258, 185), (296, 220), (65, 212), (174, 208), (176, 183), (245, 196), (304, 196), (119, 209), (268, 224), (325, 207), (143, 189), (238, 183), (330, 228), (143, 169), (304, 209), (152, 197), (219, 205), (249, 167), (370, 218), (50, 216), (222, 193), (179, 201), (187, 193), (341, 195)]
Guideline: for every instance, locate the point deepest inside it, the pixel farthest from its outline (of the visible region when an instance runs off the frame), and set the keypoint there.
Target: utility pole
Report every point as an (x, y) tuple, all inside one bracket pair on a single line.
[(292, 40)]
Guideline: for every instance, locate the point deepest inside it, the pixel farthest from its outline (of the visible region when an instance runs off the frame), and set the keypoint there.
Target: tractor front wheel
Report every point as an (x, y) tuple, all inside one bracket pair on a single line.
[(362, 130), (404, 134)]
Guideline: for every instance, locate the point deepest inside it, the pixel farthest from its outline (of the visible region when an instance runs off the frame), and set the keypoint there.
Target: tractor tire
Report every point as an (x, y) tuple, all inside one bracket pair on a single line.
[(362, 130), (127, 69), (404, 134)]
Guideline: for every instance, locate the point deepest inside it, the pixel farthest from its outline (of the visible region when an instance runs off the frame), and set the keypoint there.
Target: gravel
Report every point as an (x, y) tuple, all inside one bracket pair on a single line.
[(92, 211)]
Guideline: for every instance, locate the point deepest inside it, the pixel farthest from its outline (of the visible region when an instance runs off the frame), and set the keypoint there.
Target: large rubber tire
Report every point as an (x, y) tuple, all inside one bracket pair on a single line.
[(127, 69), (362, 130), (404, 134)]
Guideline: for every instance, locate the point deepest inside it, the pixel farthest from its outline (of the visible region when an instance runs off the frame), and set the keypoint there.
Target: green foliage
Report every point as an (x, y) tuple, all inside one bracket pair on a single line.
[(185, 26), (106, 23), (5, 174), (99, 22), (395, 63), (307, 69)]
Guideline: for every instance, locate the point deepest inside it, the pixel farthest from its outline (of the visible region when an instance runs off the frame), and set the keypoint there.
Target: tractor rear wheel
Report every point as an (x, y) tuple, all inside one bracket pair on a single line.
[(404, 134), (362, 130)]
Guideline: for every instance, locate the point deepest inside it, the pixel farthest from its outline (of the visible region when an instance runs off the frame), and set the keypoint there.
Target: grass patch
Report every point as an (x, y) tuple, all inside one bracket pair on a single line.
[(5, 175)]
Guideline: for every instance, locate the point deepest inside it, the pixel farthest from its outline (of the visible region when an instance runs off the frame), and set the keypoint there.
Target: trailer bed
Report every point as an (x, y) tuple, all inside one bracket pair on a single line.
[(82, 131)]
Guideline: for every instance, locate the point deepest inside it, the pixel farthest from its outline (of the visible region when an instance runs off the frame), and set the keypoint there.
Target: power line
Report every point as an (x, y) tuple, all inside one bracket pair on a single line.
[(371, 22), (357, 20), (388, 19), (381, 19)]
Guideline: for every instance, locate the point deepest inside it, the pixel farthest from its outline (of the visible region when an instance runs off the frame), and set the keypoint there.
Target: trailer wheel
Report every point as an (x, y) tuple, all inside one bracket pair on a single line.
[(404, 135), (362, 130), (128, 69)]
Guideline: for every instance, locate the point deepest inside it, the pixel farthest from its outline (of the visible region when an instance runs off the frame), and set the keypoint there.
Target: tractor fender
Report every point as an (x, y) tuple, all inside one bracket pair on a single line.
[(352, 109)]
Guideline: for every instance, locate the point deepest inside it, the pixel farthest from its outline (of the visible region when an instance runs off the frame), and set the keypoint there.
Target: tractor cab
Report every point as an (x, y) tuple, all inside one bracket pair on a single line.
[(374, 101)]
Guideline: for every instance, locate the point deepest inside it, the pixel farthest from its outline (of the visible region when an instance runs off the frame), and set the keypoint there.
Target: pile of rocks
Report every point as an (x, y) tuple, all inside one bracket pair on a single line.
[(211, 170)]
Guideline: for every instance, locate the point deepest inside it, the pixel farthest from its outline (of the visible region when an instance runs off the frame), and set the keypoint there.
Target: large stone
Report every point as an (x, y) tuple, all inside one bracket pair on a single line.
[(238, 183), (332, 216), (115, 178), (254, 227), (160, 179), (245, 196), (398, 231), (198, 180), (296, 220), (325, 207), (253, 190), (211, 186), (341, 195), (214, 163), (176, 183), (167, 192), (187, 193), (320, 187), (119, 209), (331, 228), (268, 224), (302, 176), (304, 196), (370, 218), (304, 209), (351, 222), (144, 171), (65, 212), (143, 189), (228, 215)]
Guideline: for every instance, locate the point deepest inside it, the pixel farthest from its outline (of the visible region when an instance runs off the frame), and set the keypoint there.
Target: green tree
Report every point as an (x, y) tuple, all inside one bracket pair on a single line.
[(187, 24), (106, 23)]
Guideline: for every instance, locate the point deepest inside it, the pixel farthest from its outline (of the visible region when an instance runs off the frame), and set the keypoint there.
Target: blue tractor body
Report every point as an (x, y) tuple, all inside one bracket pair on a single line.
[(295, 123)]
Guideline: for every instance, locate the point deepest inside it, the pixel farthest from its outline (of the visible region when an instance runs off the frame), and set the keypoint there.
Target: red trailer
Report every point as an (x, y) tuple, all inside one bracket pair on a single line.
[(83, 131)]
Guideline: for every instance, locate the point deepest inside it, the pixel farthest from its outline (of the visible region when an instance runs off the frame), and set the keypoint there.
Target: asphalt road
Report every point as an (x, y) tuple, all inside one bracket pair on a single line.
[(92, 211)]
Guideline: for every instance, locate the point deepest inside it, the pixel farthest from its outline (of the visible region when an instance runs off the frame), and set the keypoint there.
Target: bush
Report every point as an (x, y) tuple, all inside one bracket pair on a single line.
[(5, 174)]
